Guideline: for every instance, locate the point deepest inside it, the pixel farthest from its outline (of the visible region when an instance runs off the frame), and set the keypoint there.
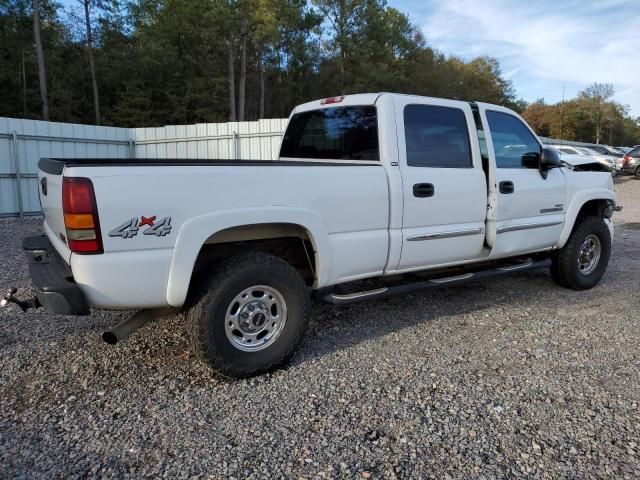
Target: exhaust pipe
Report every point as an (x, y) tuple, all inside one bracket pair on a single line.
[(129, 325)]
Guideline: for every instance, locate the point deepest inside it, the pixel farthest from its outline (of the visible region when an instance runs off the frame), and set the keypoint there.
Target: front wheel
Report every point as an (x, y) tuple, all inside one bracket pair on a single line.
[(249, 316), (583, 260)]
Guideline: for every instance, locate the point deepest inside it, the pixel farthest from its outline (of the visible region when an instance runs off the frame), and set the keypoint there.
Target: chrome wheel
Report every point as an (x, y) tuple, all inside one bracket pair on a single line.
[(255, 318), (589, 254)]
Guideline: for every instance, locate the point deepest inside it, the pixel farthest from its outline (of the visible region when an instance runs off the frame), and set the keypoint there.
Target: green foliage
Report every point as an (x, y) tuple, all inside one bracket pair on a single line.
[(167, 61), (590, 117)]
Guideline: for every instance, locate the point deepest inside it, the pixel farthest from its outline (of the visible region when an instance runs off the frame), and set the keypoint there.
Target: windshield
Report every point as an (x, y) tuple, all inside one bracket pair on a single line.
[(568, 150), (599, 149), (616, 153), (586, 151)]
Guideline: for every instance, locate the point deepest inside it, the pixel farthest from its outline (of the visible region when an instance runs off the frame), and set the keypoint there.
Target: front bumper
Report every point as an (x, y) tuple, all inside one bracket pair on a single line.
[(52, 278)]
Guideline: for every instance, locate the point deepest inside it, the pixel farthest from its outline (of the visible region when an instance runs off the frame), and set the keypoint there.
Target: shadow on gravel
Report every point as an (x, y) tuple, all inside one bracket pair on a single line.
[(18, 327), (335, 328), (332, 328)]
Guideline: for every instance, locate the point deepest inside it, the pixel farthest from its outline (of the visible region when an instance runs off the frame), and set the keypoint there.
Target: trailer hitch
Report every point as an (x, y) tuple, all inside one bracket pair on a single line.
[(24, 305)]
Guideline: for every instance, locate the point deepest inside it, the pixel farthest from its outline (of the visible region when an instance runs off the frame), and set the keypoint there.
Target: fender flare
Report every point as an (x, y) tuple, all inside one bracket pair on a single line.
[(577, 202), (195, 231)]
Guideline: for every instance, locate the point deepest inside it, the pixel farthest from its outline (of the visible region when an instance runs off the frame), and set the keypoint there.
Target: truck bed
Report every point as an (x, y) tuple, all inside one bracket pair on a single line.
[(343, 204)]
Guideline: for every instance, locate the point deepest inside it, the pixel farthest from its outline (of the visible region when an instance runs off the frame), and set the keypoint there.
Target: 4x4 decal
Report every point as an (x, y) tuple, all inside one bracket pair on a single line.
[(130, 228)]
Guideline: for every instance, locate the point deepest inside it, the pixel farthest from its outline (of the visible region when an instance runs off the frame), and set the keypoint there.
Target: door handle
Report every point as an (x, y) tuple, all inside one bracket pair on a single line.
[(423, 190), (506, 187)]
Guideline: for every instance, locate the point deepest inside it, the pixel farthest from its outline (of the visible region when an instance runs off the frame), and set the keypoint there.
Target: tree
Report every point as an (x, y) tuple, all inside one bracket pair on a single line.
[(158, 62), (595, 98), (574, 120), (42, 74), (264, 36), (343, 17), (540, 117), (87, 5)]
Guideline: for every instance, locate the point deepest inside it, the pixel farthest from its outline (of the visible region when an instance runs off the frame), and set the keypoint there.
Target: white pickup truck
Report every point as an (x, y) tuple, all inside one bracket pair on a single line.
[(410, 192)]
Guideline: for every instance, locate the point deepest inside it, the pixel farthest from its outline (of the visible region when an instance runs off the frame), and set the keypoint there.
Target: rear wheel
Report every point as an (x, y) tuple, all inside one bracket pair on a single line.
[(583, 260), (637, 173), (249, 316)]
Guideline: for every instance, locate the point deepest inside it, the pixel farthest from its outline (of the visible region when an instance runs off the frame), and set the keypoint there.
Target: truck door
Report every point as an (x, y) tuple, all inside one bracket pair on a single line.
[(444, 187), (528, 210)]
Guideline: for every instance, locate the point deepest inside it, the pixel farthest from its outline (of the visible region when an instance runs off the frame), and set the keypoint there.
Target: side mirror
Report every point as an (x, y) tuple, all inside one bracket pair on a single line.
[(549, 158)]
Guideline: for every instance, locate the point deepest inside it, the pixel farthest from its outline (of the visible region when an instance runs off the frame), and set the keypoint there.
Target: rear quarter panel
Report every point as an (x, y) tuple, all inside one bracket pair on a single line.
[(347, 208)]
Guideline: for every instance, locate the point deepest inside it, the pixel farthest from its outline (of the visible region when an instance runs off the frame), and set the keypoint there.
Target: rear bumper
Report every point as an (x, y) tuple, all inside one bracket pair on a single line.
[(52, 278)]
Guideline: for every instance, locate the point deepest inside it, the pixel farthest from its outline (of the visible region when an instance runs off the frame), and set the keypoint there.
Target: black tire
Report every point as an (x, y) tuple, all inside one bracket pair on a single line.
[(637, 173), (565, 268), (209, 304)]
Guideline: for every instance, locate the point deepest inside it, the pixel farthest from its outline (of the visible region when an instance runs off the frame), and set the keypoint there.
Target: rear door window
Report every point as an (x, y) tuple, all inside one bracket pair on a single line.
[(436, 137), (337, 133)]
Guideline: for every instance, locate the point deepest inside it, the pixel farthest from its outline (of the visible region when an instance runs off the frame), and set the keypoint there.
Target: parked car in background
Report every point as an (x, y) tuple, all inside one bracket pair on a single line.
[(625, 150), (631, 162), (606, 160), (610, 152), (603, 157)]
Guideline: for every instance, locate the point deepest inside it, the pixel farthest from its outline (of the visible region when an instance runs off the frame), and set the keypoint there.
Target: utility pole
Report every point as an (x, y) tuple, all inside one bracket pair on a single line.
[(24, 88), (41, 69), (94, 83), (562, 113)]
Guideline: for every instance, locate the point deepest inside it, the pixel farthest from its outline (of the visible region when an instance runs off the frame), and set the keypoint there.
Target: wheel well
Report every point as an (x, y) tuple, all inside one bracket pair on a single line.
[(290, 242), (592, 208)]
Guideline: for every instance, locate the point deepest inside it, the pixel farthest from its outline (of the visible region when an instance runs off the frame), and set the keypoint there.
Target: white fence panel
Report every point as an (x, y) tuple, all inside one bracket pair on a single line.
[(258, 140), (24, 142)]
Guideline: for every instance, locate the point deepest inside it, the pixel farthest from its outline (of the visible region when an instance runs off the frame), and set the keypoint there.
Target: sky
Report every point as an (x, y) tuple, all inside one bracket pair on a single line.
[(542, 45)]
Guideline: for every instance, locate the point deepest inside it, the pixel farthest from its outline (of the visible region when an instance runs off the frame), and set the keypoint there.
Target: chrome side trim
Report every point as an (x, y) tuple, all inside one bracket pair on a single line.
[(353, 296), (457, 233), (452, 279), (527, 226)]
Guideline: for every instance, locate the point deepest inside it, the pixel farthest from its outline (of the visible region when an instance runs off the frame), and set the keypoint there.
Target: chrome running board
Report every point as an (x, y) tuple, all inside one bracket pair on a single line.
[(384, 292)]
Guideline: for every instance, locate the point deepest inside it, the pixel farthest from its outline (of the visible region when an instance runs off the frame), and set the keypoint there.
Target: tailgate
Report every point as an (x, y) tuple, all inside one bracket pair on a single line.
[(50, 192)]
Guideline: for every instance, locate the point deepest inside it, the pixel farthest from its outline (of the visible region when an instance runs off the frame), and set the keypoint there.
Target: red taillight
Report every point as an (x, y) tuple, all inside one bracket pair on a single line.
[(626, 160), (330, 100), (81, 215)]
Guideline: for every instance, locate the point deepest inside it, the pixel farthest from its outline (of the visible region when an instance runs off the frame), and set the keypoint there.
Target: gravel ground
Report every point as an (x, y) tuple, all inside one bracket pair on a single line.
[(506, 378)]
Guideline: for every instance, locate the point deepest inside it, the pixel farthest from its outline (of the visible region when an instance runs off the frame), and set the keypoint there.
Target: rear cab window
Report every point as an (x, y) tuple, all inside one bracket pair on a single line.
[(335, 133)]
